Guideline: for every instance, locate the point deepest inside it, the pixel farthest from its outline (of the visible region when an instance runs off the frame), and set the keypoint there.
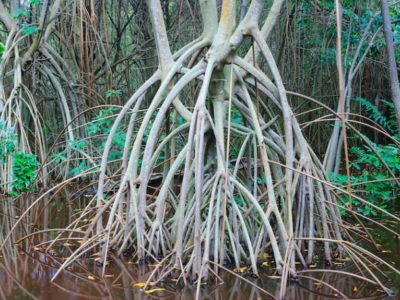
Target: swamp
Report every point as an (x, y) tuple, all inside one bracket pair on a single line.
[(199, 149)]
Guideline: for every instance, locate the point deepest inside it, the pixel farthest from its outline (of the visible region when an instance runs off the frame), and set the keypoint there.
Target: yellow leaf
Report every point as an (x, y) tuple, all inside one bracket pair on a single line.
[(241, 270), (274, 277), (343, 259), (312, 266), (266, 255), (355, 289), (154, 290), (67, 244), (95, 254), (317, 283), (90, 277), (265, 264), (297, 263), (142, 284), (109, 275), (386, 251), (36, 248)]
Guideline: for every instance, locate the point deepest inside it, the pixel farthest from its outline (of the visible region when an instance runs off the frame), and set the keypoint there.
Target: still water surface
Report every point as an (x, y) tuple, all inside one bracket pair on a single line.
[(28, 274)]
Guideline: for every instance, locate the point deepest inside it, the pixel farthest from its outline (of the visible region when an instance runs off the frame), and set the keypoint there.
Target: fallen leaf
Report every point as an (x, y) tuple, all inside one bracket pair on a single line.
[(241, 270), (142, 284), (317, 283), (312, 266), (90, 277), (154, 290), (355, 289), (109, 275), (343, 259), (274, 277)]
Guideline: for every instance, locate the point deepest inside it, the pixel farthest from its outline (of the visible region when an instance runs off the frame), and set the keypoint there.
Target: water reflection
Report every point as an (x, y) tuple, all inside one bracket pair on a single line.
[(26, 271), (32, 273)]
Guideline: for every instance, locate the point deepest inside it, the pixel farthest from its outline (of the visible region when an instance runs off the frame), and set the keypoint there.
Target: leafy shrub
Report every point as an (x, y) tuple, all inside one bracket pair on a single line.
[(24, 165), (97, 131), (8, 142), (389, 123), (24, 172), (367, 167), (371, 179)]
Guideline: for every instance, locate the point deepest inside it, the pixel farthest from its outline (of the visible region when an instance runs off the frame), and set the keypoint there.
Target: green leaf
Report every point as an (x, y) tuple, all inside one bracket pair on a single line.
[(2, 48), (19, 13), (29, 29), (33, 2)]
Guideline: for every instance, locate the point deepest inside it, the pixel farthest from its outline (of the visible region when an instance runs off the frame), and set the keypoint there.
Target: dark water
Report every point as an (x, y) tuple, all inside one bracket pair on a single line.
[(28, 274)]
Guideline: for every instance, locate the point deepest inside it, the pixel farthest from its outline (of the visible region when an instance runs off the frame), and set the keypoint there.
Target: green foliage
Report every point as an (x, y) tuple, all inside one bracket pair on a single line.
[(370, 177), (2, 48), (20, 13), (29, 29), (97, 131), (389, 123), (236, 116), (367, 167), (25, 168), (113, 93), (317, 24), (8, 142), (24, 165), (33, 2)]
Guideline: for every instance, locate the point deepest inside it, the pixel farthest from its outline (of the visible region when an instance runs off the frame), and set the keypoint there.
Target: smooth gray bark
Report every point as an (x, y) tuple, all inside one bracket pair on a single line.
[(394, 78)]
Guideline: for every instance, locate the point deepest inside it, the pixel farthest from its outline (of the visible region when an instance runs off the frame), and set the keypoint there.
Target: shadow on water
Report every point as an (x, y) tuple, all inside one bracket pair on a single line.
[(26, 269)]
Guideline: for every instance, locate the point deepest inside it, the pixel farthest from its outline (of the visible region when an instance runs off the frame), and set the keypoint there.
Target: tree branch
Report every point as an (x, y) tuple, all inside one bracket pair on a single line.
[(5, 17), (160, 34)]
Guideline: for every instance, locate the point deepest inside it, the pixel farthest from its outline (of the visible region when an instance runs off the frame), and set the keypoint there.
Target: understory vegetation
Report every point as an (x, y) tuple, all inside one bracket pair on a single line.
[(202, 137)]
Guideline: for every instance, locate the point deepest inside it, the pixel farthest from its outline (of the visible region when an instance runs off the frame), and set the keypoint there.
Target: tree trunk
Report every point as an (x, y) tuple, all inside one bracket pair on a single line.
[(394, 78)]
